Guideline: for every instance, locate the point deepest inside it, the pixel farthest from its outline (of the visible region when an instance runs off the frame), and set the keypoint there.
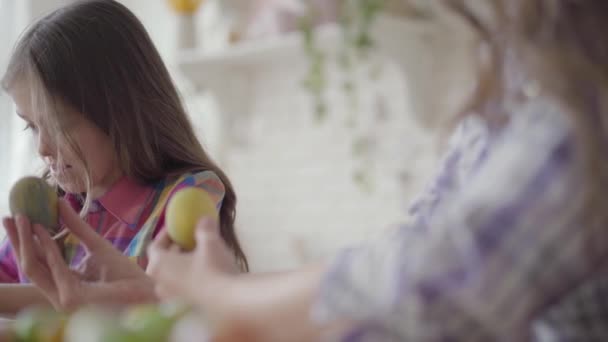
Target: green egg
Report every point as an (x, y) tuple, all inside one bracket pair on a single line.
[(97, 324), (149, 322), (36, 199), (39, 325)]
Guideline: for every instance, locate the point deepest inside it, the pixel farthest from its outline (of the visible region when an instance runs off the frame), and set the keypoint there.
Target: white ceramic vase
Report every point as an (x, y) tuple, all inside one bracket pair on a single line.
[(186, 31), (237, 15)]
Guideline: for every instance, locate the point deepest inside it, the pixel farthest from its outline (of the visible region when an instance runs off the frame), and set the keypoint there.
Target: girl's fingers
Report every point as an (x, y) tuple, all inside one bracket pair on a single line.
[(77, 226), (59, 270), (30, 262), (11, 231)]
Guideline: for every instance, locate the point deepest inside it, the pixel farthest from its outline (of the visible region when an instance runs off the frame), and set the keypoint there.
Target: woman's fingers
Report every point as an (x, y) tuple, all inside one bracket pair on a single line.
[(163, 292), (157, 252), (207, 228), (211, 249), (162, 240), (165, 267), (155, 259), (167, 285)]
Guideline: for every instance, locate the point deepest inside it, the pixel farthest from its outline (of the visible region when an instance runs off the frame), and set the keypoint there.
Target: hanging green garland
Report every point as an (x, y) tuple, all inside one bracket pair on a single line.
[(356, 20)]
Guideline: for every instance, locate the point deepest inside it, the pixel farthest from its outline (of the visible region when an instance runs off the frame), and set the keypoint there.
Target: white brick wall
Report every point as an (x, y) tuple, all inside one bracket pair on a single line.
[(293, 175)]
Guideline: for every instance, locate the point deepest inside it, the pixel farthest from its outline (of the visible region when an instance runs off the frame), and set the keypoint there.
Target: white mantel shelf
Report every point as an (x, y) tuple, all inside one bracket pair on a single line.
[(204, 68), (417, 47), (198, 67)]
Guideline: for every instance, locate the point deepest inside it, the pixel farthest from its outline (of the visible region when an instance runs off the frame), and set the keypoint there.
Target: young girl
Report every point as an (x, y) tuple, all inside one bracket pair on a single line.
[(110, 127), (510, 244)]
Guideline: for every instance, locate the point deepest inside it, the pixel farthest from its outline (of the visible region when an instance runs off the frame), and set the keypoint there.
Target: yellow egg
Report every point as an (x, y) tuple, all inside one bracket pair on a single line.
[(184, 211), (36, 199)]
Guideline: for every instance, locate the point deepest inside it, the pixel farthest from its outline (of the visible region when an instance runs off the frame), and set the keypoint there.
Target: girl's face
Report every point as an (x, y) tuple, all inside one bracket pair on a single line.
[(66, 168)]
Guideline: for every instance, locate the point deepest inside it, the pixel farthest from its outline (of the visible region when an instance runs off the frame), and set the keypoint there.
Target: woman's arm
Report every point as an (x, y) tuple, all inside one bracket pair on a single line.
[(268, 307), (238, 307), (15, 297)]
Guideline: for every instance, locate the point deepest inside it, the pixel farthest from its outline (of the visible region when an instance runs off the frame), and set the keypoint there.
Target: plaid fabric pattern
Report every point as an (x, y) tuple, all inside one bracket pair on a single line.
[(128, 215), (495, 250)]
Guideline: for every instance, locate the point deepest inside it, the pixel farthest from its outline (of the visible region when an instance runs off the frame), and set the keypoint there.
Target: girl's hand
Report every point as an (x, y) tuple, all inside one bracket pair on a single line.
[(105, 275)]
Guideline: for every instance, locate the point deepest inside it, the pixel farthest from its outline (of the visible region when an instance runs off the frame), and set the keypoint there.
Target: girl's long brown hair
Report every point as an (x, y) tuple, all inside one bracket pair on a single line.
[(96, 57)]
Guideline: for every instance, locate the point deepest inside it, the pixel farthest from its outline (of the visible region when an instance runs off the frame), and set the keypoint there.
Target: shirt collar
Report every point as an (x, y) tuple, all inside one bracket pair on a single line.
[(125, 200)]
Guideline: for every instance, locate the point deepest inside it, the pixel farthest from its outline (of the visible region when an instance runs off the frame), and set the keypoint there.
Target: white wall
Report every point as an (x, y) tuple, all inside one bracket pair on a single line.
[(7, 31), (294, 176)]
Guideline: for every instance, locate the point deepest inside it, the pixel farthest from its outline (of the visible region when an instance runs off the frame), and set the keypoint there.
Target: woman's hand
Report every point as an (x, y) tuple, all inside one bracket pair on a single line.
[(104, 276), (237, 307), (201, 274)]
